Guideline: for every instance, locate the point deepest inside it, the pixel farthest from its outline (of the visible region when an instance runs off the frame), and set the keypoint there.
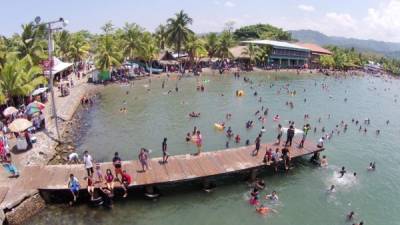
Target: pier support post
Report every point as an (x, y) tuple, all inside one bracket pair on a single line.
[(253, 175), (208, 186), (149, 192)]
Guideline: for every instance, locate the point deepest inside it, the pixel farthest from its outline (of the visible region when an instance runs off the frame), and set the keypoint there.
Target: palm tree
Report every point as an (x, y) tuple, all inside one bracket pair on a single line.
[(62, 44), (178, 32), (211, 44), (148, 50), (19, 78), (262, 54), (79, 48), (130, 36), (161, 36), (224, 43), (107, 54), (31, 43), (251, 51), (195, 48), (3, 51)]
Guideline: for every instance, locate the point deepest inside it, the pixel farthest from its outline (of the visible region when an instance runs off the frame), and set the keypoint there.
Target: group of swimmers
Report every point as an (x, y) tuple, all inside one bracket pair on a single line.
[(254, 200)]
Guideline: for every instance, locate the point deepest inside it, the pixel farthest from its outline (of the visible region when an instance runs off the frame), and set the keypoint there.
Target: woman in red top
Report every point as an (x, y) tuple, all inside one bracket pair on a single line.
[(109, 177)]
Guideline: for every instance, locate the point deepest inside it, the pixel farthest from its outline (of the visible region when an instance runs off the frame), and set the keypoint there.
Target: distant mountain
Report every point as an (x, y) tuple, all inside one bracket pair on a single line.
[(390, 49)]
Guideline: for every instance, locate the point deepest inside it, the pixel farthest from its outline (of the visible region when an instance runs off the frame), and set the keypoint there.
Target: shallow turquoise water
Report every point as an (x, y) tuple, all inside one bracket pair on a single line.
[(154, 114)]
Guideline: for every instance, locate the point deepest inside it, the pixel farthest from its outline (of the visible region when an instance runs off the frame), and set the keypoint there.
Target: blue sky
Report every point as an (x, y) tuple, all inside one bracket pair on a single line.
[(367, 19)]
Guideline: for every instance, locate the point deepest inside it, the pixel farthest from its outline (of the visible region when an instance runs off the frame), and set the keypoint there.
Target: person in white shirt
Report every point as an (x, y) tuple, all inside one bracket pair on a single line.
[(321, 142), (73, 158), (88, 161)]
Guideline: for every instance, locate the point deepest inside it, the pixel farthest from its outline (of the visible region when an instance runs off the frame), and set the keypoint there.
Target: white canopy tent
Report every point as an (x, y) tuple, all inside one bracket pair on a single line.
[(58, 66)]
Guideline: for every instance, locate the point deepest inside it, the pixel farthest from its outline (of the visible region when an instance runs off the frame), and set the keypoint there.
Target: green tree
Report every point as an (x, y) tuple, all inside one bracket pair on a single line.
[(327, 61), (19, 78), (251, 51), (62, 46), (31, 43), (211, 44), (130, 42), (225, 42), (178, 32), (262, 31), (161, 36), (148, 50), (79, 48), (107, 52), (195, 48)]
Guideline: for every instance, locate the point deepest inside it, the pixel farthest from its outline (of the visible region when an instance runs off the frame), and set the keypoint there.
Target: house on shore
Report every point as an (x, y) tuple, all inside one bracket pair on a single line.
[(316, 52)]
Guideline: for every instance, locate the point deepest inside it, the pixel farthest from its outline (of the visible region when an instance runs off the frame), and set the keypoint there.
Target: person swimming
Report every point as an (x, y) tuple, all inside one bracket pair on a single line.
[(332, 189), (342, 172), (263, 129), (371, 166), (273, 196), (350, 216)]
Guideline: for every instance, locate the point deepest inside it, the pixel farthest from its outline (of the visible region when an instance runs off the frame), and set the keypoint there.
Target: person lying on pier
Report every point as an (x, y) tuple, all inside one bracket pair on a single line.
[(125, 181), (73, 185), (109, 178)]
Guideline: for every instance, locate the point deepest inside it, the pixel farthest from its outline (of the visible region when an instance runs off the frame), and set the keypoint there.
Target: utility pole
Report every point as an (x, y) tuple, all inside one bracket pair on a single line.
[(50, 30)]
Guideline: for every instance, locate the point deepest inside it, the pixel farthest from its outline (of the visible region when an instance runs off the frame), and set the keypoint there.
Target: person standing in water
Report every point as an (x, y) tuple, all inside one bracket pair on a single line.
[(342, 172), (164, 151)]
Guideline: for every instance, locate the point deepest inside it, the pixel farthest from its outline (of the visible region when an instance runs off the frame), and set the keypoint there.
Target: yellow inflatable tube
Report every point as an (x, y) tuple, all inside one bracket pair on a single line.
[(240, 93), (218, 126)]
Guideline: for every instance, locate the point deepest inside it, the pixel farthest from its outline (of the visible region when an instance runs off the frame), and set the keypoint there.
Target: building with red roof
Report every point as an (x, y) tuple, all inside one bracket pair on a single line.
[(316, 52)]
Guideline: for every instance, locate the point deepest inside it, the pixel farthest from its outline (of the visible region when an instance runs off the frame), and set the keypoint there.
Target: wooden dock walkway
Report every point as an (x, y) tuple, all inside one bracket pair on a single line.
[(180, 168)]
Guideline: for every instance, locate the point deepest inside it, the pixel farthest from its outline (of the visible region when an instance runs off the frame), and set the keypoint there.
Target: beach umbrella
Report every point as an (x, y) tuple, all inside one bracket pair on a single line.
[(296, 131), (9, 111), (19, 125), (39, 91)]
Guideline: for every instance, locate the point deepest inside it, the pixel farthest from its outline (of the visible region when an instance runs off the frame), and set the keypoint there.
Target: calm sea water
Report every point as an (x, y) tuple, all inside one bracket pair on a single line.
[(155, 114)]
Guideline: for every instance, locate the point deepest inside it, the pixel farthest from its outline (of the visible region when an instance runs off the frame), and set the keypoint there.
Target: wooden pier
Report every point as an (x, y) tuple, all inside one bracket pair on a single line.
[(180, 168)]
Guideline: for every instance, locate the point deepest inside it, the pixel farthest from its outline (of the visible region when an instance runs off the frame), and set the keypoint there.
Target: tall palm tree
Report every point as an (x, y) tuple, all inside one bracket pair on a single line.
[(3, 51), (107, 54), (211, 44), (62, 44), (178, 32), (224, 43), (195, 48), (130, 36), (148, 50), (161, 36), (251, 51), (19, 78), (31, 43), (79, 48)]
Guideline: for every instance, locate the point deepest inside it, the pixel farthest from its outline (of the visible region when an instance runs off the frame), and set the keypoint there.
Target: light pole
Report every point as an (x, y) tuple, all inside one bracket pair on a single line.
[(50, 30)]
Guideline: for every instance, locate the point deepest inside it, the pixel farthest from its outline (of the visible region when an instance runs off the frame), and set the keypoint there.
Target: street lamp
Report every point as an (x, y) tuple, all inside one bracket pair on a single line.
[(50, 30)]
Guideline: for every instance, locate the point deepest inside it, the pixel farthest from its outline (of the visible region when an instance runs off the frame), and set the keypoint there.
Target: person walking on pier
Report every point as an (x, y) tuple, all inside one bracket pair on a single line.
[(117, 165), (88, 161), (164, 151), (258, 144), (73, 185), (143, 157)]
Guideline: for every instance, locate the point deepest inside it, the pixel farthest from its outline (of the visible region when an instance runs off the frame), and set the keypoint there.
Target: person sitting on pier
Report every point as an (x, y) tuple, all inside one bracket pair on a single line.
[(90, 186), (73, 185), (268, 155), (109, 178), (125, 182), (321, 142), (107, 197)]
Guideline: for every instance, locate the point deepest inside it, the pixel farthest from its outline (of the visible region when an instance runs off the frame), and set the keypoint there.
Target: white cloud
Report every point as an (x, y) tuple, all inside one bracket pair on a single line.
[(307, 8), (342, 19), (229, 4)]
